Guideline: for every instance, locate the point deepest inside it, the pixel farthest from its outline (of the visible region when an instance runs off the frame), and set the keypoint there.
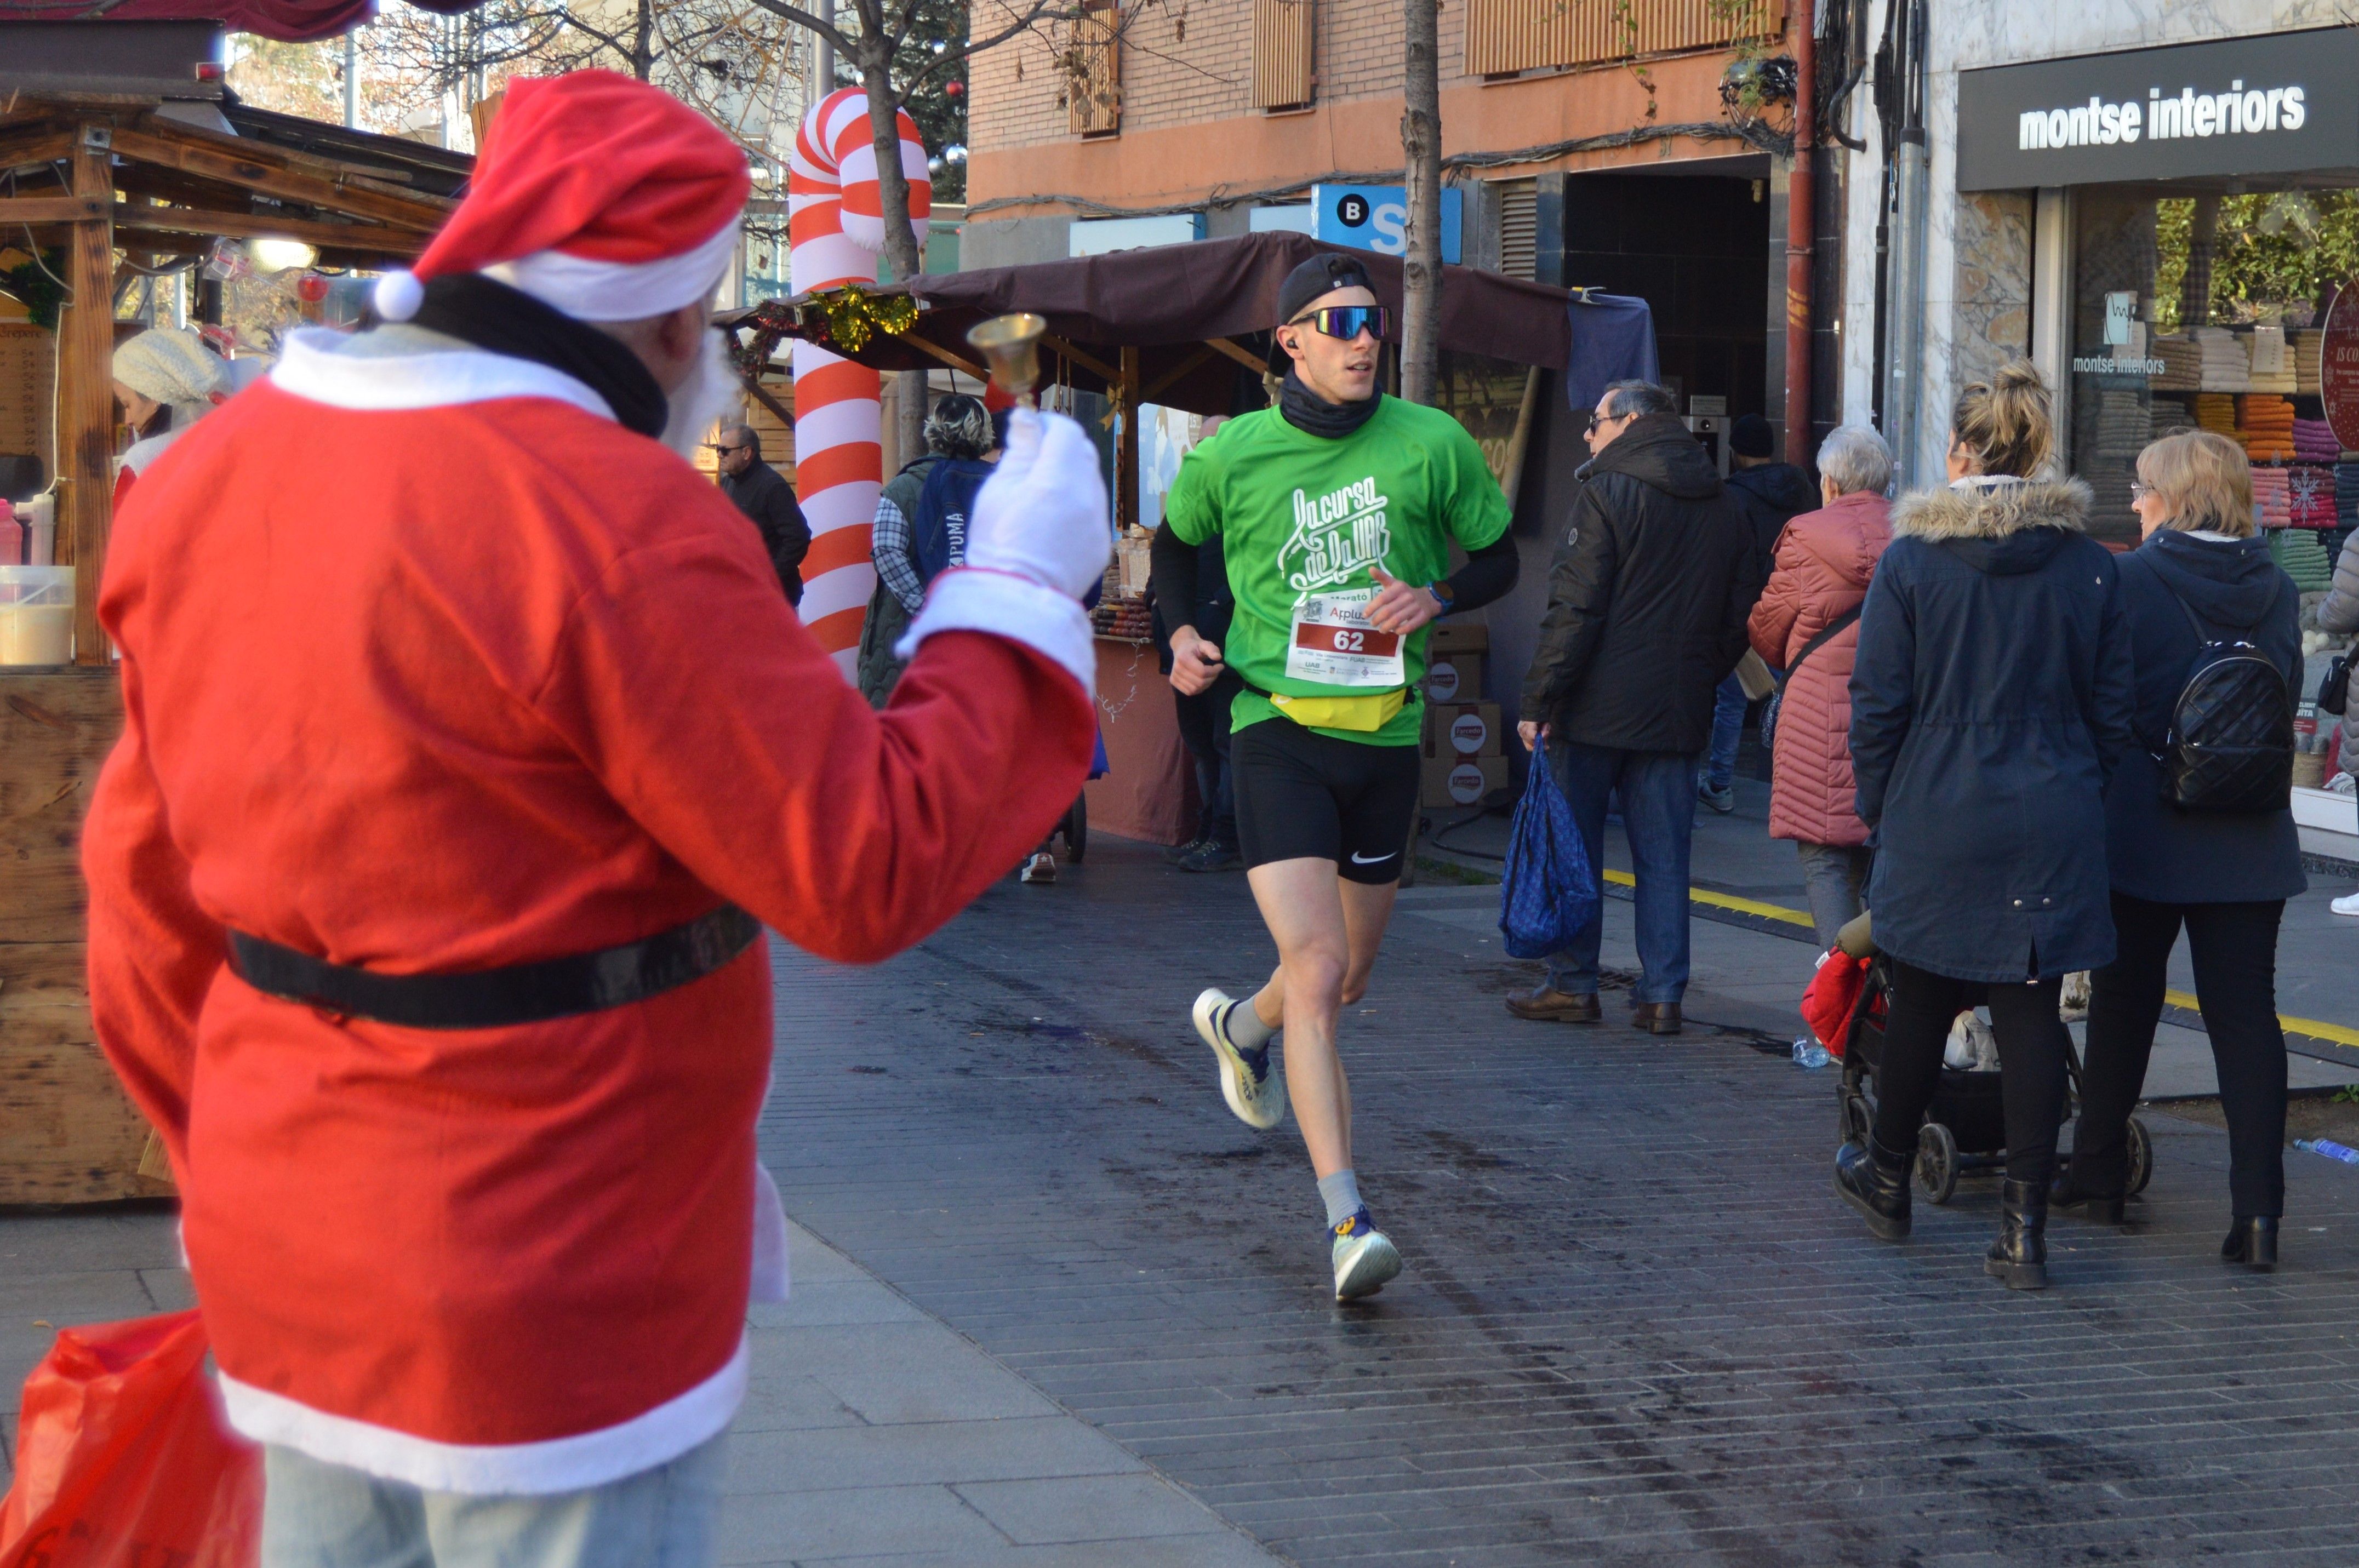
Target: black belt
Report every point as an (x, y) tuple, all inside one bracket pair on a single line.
[(496, 998)]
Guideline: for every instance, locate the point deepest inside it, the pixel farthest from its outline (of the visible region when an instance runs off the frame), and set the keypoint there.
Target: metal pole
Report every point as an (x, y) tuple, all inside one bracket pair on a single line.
[(1802, 224), (824, 61), (1903, 397), (351, 80)]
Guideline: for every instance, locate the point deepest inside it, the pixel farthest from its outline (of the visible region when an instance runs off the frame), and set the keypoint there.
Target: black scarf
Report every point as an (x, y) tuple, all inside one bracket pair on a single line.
[(503, 320), (1314, 416)]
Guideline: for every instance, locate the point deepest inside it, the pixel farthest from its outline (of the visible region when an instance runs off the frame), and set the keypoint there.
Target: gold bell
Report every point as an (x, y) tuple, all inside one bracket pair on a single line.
[(1010, 345)]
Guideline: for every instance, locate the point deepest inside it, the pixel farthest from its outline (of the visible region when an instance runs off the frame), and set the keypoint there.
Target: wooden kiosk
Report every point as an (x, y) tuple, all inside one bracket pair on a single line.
[(107, 178)]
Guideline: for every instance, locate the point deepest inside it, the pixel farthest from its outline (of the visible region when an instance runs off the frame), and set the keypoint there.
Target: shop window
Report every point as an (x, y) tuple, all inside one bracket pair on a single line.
[(1282, 35), (1503, 36), (2206, 309), (1094, 70)]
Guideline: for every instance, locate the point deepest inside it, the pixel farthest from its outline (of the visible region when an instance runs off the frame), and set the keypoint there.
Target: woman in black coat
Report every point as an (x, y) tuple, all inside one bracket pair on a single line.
[(2226, 876), (1989, 700)]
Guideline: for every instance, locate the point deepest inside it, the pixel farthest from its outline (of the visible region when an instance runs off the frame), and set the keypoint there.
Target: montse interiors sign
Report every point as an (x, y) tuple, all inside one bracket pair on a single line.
[(2279, 104)]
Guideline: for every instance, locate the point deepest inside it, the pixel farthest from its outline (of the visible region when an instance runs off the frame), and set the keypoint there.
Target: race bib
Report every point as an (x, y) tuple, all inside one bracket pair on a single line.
[(1333, 643)]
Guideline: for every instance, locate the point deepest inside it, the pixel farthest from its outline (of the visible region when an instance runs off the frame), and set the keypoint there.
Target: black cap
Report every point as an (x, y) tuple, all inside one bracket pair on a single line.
[(1751, 436), (1321, 274)]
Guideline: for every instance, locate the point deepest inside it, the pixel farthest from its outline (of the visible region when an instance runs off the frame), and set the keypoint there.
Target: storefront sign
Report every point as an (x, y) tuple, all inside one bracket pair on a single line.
[(2338, 367), (2275, 104), (1375, 218)]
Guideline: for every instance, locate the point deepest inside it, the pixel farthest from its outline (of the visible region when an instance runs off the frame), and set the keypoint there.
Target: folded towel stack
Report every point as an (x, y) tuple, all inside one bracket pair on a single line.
[(2264, 424), (2227, 363), (2303, 555), (2273, 366), (2109, 462), (2215, 411), (2346, 494), (2165, 414), (2182, 365), (2272, 498), (2307, 345), (2310, 492), (2314, 442)]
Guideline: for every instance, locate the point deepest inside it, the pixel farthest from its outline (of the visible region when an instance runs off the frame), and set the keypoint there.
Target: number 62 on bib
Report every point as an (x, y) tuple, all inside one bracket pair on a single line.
[(1335, 644)]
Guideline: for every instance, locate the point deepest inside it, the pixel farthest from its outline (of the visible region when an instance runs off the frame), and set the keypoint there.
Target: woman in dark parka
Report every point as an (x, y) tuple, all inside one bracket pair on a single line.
[(1989, 700), (2223, 875)]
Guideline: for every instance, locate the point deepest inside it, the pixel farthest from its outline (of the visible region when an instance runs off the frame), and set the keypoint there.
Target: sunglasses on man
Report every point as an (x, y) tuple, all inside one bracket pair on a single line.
[(723, 448), (1347, 321)]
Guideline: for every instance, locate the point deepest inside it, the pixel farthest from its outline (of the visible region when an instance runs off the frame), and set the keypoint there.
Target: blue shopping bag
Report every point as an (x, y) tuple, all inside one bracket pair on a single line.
[(1550, 892)]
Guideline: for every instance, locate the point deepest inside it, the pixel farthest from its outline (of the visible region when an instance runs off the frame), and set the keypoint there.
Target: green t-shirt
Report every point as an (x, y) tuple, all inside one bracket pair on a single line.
[(1301, 518)]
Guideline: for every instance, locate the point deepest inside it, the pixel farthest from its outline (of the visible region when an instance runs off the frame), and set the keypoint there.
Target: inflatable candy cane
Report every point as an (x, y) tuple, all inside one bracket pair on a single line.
[(836, 225)]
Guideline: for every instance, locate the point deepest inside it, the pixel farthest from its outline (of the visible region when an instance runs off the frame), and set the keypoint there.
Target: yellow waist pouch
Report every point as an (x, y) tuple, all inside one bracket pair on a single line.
[(1364, 714)]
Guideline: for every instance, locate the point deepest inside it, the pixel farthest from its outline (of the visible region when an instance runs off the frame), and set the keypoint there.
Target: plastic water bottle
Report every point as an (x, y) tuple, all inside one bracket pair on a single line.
[(1808, 1053), (2332, 1150)]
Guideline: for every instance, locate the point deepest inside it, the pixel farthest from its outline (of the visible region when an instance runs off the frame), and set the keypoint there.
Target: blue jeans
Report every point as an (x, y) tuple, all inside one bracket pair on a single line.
[(1657, 791), (1727, 729), (318, 1515)]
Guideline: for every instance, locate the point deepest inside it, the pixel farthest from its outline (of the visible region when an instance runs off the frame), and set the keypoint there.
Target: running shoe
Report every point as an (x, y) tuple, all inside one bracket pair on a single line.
[(1041, 867), (1248, 1082), (1720, 797), (2347, 905), (1364, 1258)]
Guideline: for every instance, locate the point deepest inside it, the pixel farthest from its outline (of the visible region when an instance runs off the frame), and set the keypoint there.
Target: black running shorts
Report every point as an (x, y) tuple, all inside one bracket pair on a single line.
[(1302, 795)]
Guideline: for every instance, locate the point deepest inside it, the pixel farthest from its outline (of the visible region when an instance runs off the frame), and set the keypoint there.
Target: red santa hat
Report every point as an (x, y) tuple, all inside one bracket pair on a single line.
[(598, 195)]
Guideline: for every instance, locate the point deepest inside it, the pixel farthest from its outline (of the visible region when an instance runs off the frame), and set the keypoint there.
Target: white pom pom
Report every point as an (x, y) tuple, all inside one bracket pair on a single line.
[(399, 295)]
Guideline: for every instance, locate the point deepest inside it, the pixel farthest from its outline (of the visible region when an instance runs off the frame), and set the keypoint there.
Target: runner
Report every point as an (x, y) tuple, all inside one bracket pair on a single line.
[(1337, 509)]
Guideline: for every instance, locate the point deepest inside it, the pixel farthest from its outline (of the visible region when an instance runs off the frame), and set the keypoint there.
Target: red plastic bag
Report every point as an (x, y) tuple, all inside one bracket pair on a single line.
[(1833, 992), (123, 1461)]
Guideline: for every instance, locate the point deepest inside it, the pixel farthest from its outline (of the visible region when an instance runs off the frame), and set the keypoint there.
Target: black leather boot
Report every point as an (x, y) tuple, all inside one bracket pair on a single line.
[(2020, 1256), (2253, 1242), (2103, 1208), (1874, 1181)]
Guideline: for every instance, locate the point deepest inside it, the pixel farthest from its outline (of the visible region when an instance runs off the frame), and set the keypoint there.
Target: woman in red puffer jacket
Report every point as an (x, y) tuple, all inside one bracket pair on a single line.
[(1824, 560)]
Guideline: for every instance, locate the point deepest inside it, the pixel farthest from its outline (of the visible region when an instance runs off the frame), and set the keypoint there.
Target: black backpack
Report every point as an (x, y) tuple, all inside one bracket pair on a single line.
[(2230, 746)]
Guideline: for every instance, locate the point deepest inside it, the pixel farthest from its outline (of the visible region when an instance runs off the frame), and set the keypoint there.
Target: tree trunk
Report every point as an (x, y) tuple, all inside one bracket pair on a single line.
[(901, 252), (643, 41), (1422, 151)]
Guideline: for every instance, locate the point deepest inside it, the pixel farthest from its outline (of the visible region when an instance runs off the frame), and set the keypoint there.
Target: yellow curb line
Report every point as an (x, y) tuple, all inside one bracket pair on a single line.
[(2317, 1028)]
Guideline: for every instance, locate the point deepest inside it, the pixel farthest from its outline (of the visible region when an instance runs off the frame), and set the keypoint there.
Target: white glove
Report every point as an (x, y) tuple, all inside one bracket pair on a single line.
[(1042, 515)]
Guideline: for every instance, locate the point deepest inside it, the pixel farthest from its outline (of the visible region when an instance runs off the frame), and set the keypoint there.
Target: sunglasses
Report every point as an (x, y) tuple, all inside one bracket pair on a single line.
[(1347, 321), (724, 450)]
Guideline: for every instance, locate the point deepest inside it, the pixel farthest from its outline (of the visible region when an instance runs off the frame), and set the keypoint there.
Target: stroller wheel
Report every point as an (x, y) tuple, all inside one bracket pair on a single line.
[(2141, 1151), (1853, 1117), (1937, 1161)]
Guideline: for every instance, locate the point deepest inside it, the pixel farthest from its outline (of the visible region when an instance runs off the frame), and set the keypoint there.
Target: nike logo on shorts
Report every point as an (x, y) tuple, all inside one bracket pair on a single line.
[(1359, 859)]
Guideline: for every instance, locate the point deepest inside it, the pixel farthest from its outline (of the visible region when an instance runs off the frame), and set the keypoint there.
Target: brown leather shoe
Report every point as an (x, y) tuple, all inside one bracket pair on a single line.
[(1657, 1016), (1549, 1005)]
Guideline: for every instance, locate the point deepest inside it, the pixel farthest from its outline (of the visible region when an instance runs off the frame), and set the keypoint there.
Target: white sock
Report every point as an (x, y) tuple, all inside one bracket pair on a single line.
[(1246, 1031), (1342, 1191)]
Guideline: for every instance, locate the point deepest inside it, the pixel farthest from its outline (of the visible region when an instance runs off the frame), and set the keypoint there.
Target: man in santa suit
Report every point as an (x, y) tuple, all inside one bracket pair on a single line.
[(468, 746)]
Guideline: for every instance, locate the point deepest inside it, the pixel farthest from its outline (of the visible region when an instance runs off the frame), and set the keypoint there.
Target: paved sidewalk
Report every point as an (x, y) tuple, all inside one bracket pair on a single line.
[(872, 1433)]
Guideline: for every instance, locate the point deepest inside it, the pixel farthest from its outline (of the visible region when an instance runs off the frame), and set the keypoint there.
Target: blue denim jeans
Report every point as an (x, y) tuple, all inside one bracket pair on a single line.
[(1727, 730), (1658, 805), (318, 1515)]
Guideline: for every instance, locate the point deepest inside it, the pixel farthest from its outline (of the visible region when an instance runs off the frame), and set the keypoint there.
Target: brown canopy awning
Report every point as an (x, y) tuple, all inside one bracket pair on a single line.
[(1189, 312)]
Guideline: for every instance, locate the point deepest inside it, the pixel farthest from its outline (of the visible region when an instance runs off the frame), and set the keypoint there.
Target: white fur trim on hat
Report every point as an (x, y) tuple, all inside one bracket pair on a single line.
[(620, 291), (398, 296)]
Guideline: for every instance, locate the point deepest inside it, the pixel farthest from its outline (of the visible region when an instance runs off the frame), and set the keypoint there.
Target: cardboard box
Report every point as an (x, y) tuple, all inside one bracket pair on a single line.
[(1454, 677), (1463, 730), (1458, 637), (1462, 782)]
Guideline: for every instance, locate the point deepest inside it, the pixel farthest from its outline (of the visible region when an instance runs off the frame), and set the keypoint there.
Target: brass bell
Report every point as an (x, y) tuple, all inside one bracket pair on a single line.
[(1010, 345)]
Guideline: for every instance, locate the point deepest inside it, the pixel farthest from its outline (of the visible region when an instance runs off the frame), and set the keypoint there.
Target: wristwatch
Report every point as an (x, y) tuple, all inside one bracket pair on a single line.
[(1441, 596)]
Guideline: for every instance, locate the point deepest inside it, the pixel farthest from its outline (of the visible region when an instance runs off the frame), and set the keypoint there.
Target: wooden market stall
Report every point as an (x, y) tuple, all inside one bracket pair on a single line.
[(114, 181), (1183, 326)]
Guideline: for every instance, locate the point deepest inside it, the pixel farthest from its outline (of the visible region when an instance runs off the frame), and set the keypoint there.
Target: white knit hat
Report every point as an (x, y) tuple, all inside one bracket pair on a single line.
[(172, 367)]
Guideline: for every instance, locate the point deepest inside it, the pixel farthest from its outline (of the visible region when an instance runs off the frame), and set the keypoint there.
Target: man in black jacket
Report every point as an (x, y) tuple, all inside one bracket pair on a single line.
[(1769, 493), (1647, 602), (766, 498)]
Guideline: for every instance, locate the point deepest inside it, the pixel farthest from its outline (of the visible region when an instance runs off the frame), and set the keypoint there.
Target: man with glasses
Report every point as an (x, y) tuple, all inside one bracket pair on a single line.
[(1336, 510), (762, 495)]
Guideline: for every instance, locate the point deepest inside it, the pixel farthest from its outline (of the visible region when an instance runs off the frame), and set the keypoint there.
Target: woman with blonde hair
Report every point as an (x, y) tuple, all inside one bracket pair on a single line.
[(2201, 577), (1990, 698)]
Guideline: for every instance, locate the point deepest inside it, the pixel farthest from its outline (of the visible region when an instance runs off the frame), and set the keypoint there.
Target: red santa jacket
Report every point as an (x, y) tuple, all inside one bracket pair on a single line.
[(430, 666)]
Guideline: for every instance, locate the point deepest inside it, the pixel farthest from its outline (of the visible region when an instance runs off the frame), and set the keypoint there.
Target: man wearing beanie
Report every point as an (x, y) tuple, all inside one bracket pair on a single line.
[(1769, 493), (1336, 511), (165, 380), (469, 747)]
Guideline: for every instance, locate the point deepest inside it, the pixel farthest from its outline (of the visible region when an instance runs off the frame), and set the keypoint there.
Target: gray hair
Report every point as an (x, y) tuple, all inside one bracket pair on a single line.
[(1625, 398), (1854, 457), (745, 435)]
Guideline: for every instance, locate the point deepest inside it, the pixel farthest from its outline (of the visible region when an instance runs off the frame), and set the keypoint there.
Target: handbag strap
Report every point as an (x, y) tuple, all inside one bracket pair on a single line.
[(1826, 634)]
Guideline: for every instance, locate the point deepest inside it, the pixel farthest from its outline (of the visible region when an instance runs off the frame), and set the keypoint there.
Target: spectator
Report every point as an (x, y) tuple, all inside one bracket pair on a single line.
[(762, 495), (1989, 698), (958, 428), (1808, 626), (1768, 493), (1205, 716), (167, 380), (1647, 607), (2339, 612), (2223, 875)]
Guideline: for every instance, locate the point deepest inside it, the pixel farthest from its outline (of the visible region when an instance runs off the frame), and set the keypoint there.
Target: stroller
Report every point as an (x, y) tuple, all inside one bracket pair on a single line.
[(1965, 1127)]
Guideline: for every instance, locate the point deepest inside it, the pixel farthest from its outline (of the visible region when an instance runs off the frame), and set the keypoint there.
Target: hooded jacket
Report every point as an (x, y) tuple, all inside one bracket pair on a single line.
[(1647, 598), (1824, 561), (1990, 701), (2339, 612), (1770, 496), (2156, 851)]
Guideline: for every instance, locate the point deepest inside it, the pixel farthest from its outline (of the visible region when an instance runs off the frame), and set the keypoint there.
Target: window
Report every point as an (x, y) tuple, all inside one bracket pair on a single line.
[(1283, 31), (1503, 36), (1094, 70)]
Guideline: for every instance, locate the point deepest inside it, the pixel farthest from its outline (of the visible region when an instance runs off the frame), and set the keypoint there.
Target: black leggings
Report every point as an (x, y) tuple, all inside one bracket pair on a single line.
[(2032, 1043), (2235, 950)]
